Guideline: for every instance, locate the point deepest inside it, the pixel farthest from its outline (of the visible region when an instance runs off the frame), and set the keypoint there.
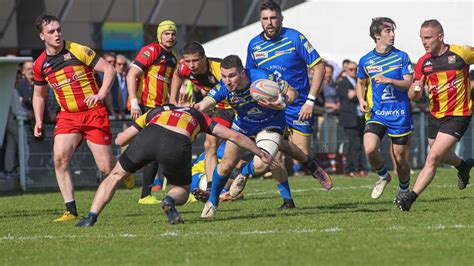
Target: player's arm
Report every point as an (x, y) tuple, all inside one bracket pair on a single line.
[(403, 84), (239, 139), (205, 105), (416, 89), (123, 138), (287, 97), (39, 96), (360, 91), (176, 82), (107, 82), (306, 111), (133, 74)]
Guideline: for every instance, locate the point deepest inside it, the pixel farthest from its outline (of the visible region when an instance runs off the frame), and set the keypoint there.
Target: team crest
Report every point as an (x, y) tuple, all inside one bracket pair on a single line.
[(308, 47), (212, 79), (88, 51), (451, 59), (146, 54), (67, 57)]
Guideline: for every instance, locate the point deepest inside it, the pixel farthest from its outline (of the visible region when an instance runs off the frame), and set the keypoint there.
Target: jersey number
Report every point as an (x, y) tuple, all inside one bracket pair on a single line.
[(388, 93)]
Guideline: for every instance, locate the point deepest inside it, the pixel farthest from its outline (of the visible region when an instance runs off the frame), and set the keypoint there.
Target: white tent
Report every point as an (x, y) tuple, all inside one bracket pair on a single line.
[(340, 29)]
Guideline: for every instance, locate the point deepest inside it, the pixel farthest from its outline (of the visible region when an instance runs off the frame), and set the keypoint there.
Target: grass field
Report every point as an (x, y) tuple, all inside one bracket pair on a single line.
[(339, 227)]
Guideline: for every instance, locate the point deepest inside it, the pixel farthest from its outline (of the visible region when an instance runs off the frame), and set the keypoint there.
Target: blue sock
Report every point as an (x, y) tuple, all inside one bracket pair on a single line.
[(224, 191), (382, 172), (247, 169), (218, 183), (285, 191), (404, 187), (296, 167)]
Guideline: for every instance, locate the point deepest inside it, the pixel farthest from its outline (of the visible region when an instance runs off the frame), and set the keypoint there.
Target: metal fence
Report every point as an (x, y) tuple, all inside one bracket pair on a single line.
[(38, 173)]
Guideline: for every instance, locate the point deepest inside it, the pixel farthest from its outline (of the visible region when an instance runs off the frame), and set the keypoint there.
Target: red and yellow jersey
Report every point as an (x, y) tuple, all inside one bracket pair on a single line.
[(205, 81), (447, 79), (158, 66), (70, 74), (189, 119)]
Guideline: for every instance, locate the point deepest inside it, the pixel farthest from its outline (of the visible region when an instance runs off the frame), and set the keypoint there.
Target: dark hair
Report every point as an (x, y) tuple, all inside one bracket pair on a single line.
[(378, 24), (231, 61), (432, 23), (44, 19), (346, 61), (110, 54), (193, 48), (270, 5)]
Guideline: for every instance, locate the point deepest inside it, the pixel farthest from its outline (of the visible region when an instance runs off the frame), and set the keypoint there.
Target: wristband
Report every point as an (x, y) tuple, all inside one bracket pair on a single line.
[(311, 97), (309, 102), (134, 104)]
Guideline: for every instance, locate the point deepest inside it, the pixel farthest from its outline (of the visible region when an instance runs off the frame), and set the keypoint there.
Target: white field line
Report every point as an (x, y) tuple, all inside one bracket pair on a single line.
[(331, 230), (365, 187)]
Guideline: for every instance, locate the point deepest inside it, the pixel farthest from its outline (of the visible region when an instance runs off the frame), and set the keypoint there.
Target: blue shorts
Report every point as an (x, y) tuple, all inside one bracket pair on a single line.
[(304, 128), (195, 180), (394, 129), (252, 130)]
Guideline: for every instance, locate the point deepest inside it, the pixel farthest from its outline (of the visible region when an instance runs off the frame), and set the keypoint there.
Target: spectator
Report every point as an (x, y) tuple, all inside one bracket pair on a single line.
[(121, 66)]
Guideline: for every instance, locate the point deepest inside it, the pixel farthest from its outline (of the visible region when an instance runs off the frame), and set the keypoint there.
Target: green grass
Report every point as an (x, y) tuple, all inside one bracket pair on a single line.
[(339, 227)]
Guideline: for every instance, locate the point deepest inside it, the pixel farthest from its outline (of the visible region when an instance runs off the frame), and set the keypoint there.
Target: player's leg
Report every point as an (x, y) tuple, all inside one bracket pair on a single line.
[(64, 147), (400, 149), (374, 132), (210, 156), (103, 156), (303, 142)]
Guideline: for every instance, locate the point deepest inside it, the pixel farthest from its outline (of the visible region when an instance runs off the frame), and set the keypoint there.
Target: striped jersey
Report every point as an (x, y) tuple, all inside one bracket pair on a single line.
[(205, 81), (287, 56), (158, 66), (70, 75), (388, 104), (447, 80), (189, 119)]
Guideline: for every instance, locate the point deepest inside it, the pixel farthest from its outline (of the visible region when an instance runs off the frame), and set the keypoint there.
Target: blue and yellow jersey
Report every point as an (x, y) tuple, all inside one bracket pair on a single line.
[(388, 104), (250, 116), (198, 164), (287, 56)]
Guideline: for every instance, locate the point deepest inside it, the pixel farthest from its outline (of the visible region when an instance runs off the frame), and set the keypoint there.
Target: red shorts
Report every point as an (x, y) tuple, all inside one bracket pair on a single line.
[(93, 125)]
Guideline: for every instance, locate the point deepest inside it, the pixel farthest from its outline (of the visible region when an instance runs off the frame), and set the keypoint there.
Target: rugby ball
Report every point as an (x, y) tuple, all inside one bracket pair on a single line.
[(264, 89)]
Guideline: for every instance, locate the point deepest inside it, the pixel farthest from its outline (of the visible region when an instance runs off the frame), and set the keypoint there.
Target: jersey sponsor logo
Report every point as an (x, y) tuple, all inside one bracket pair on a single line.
[(212, 79), (374, 69), (146, 54), (396, 112), (254, 111), (260, 55), (428, 69), (283, 52), (163, 78), (309, 48), (300, 123), (370, 62), (67, 56), (257, 47), (395, 66), (235, 99), (452, 59)]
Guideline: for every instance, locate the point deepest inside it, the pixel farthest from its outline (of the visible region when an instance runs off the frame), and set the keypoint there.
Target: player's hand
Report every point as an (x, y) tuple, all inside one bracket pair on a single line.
[(92, 100), (306, 112), (135, 113), (379, 78), (267, 158), (363, 107), (38, 131), (278, 104), (185, 100)]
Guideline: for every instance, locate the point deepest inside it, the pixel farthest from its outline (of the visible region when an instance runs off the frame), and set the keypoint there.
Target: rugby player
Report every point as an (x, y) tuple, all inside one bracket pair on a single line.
[(387, 74), (165, 134), (287, 54), (153, 68), (263, 120), (68, 68), (444, 71)]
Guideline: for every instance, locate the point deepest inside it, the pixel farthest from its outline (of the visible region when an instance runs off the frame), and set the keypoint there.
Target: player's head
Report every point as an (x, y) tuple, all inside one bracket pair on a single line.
[(121, 64), (271, 19), (432, 36), (49, 28), (111, 58), (194, 57), (233, 73), (382, 30), (166, 33), (351, 69)]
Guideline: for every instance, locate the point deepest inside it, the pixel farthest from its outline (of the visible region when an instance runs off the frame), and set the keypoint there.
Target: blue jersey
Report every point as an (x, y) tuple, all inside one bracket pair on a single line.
[(389, 105), (251, 117), (287, 56)]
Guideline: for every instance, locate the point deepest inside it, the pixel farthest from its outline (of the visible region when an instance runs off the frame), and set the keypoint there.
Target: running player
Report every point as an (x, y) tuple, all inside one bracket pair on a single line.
[(153, 67), (68, 68), (288, 54), (387, 74), (263, 120), (444, 71), (204, 73), (165, 134)]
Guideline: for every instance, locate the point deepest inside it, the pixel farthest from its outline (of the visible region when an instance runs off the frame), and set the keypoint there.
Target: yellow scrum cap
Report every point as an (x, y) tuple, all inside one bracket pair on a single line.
[(165, 25)]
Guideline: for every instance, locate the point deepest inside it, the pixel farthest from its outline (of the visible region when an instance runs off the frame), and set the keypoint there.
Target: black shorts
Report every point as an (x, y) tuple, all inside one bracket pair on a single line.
[(455, 126), (170, 149), (380, 130), (223, 116)]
